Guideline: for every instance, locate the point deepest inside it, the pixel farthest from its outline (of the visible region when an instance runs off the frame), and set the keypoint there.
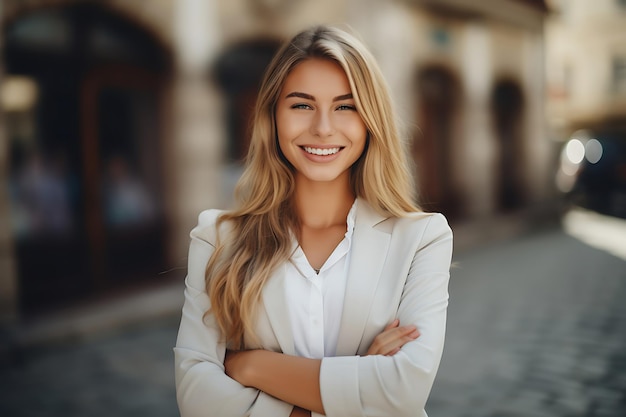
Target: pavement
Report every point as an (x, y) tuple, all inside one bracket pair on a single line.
[(536, 327)]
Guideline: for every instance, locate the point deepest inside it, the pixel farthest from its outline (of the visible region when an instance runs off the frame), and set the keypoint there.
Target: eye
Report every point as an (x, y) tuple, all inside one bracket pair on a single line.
[(301, 106), (346, 107)]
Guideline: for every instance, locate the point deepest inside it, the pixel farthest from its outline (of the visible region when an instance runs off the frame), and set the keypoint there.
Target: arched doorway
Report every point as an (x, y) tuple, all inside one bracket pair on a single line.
[(439, 95), (85, 174), (507, 107)]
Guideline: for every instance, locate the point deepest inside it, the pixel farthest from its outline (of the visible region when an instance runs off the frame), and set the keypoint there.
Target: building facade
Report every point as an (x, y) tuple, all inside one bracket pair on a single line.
[(586, 63)]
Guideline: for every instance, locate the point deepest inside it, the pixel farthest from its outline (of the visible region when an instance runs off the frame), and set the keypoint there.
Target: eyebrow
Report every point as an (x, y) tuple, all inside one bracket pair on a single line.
[(312, 98)]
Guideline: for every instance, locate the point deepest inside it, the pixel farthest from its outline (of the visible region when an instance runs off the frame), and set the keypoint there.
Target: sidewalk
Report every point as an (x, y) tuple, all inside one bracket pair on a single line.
[(139, 306)]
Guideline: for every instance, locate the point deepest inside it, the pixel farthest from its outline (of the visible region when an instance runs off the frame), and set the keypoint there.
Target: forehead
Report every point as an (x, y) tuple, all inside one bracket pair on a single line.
[(317, 75)]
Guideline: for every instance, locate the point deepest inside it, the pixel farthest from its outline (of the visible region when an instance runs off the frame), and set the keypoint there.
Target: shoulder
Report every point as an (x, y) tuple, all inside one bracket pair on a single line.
[(366, 213), (416, 226), (206, 228), (435, 221), (423, 227)]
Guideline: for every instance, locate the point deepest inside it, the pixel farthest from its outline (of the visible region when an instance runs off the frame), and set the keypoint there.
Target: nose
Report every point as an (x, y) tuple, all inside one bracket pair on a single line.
[(322, 124)]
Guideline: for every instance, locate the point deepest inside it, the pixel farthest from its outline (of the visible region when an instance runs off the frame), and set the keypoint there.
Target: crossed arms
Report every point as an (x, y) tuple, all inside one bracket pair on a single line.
[(391, 378)]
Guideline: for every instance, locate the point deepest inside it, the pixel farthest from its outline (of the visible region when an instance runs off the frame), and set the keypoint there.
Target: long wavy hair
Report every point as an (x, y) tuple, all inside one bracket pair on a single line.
[(262, 226)]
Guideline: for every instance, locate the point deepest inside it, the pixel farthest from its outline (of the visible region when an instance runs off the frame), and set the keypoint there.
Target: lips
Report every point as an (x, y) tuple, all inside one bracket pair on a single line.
[(321, 151)]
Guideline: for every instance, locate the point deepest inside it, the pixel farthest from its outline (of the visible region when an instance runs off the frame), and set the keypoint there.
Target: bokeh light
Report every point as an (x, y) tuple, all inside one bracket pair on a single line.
[(575, 151), (593, 151)]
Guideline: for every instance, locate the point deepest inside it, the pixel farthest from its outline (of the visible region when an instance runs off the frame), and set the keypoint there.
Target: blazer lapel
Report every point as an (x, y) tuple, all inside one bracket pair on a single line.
[(275, 304), (369, 251)]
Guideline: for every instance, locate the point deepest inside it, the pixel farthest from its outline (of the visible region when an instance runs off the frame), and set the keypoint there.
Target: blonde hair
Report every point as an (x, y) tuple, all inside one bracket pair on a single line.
[(263, 224)]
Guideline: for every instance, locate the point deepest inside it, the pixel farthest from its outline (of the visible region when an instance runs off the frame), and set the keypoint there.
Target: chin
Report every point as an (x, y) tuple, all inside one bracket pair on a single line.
[(325, 177)]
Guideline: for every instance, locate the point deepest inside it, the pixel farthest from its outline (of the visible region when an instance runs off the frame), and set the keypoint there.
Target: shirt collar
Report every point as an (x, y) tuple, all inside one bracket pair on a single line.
[(351, 220)]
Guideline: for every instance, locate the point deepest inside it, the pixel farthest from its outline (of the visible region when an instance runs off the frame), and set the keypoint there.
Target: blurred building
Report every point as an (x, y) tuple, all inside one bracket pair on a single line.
[(122, 120), (586, 63)]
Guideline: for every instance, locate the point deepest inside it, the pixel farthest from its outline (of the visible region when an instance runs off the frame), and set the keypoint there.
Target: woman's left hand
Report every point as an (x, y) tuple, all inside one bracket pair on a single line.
[(392, 338)]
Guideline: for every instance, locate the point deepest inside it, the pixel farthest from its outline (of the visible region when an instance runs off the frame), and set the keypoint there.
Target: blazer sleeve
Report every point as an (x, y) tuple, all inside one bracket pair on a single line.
[(399, 385), (202, 387)]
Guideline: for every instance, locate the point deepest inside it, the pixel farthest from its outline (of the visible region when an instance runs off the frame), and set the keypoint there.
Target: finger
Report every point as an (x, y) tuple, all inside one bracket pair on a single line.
[(394, 323), (393, 352), (395, 333), (392, 338), (391, 345)]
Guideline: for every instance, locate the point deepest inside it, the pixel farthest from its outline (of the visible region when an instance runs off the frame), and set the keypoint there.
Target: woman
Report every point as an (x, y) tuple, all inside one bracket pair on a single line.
[(325, 290)]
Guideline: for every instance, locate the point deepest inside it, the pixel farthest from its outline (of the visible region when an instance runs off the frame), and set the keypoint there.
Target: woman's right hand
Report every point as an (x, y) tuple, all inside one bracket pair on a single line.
[(392, 338)]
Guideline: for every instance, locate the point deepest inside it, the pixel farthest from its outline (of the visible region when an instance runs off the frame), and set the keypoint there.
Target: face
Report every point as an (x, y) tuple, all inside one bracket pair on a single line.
[(319, 129)]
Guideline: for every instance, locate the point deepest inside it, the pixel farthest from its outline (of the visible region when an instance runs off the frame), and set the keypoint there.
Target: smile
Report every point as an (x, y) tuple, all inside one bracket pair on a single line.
[(321, 151)]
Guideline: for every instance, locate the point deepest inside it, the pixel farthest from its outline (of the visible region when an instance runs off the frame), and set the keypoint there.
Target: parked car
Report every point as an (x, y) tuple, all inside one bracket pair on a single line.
[(592, 172)]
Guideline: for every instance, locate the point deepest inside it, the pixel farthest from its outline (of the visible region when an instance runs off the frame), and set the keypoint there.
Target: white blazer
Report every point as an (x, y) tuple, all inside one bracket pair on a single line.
[(399, 268)]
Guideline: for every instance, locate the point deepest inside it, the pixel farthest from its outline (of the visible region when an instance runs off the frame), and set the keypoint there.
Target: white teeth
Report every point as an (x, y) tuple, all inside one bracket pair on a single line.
[(319, 151)]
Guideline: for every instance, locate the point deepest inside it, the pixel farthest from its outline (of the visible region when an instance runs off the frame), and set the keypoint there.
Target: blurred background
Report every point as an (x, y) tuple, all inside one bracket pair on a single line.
[(120, 120)]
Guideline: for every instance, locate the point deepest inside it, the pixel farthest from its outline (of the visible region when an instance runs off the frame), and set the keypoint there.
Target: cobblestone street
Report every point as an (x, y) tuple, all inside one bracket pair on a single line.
[(119, 374), (537, 327)]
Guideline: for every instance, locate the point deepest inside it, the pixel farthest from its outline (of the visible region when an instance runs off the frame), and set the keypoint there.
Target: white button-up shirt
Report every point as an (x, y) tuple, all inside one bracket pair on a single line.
[(315, 301)]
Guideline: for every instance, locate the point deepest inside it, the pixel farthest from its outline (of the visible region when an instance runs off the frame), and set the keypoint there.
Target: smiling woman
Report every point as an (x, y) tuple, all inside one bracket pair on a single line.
[(325, 290)]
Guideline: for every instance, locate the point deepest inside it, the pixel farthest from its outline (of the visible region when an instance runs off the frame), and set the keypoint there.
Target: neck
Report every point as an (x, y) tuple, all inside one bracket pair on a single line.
[(321, 204)]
